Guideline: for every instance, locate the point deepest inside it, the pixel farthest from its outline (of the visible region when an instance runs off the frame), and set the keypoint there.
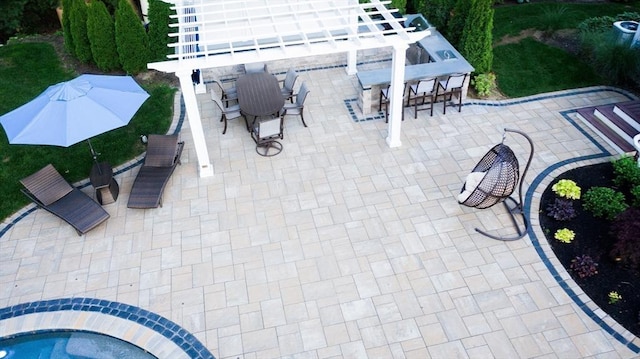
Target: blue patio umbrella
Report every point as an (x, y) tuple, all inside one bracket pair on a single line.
[(76, 110)]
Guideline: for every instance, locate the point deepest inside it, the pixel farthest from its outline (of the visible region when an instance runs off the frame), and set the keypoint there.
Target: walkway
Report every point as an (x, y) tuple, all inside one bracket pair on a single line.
[(337, 247)]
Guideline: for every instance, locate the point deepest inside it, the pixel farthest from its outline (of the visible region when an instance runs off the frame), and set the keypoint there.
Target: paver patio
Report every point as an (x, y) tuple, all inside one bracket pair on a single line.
[(338, 247)]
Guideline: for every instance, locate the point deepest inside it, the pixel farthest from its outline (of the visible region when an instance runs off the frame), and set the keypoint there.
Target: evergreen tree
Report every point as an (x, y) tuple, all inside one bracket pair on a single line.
[(67, 12), (131, 39), (475, 44), (436, 11), (79, 31), (457, 21), (159, 20), (101, 32)]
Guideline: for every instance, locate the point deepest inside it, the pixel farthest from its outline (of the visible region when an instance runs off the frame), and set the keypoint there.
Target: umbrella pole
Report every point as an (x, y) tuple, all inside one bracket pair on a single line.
[(95, 155)]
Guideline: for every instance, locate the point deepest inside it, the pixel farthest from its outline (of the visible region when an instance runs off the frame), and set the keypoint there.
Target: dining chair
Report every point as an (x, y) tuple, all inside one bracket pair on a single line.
[(288, 83), (255, 67), (450, 87), (297, 108), (228, 112), (384, 101), (422, 90), (226, 94), (265, 133)]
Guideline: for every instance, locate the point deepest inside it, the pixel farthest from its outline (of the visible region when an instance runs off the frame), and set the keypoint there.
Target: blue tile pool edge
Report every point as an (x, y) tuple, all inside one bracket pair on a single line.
[(165, 327)]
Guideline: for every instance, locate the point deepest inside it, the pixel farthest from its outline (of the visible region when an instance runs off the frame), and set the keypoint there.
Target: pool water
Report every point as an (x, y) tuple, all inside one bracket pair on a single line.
[(69, 345)]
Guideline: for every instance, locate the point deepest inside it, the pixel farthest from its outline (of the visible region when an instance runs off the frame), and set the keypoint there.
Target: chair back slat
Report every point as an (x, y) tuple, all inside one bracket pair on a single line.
[(302, 95), (455, 81), (270, 127), (47, 185), (161, 150), (426, 86)]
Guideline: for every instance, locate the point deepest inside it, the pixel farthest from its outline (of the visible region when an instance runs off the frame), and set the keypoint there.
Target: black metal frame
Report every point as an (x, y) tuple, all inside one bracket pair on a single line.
[(515, 208)]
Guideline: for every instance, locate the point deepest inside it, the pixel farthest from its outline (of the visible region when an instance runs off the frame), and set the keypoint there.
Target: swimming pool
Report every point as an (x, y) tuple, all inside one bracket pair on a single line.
[(69, 345)]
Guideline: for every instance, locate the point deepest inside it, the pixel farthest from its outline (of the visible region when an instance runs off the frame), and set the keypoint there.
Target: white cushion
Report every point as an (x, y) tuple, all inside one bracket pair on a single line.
[(470, 184)]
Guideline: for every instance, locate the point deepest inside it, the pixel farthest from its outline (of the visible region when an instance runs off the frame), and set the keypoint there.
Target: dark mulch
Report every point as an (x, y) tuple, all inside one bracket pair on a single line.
[(593, 238)]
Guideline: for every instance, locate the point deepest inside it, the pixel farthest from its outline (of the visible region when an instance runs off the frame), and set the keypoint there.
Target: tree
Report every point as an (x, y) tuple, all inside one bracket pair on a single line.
[(10, 20), (101, 32), (159, 20), (131, 39), (457, 20), (79, 31), (67, 11), (475, 44), (436, 11)]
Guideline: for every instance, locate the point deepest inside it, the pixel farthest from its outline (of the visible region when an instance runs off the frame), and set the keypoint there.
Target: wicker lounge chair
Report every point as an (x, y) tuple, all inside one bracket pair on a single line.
[(50, 191), (163, 154)]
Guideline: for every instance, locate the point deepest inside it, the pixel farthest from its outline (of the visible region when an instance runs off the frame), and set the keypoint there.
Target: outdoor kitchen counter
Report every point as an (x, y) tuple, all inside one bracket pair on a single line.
[(445, 60)]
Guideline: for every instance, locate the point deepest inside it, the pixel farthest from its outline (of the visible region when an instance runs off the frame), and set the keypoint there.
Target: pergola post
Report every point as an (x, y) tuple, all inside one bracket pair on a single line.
[(352, 58), (205, 168), (396, 107)]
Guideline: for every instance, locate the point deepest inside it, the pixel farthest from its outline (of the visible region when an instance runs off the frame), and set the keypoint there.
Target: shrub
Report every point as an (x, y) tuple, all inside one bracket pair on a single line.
[(626, 172), (618, 63), (564, 235), (131, 39), (584, 266), (596, 24), (567, 189), (628, 16), (101, 33), (12, 11), (159, 20), (438, 13), (67, 10), (484, 83), (604, 202), (626, 232), (635, 196), (457, 18), (79, 31), (553, 17), (476, 41), (561, 210)]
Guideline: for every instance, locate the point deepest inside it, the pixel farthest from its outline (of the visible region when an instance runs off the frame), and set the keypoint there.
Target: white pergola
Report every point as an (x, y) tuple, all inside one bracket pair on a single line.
[(219, 33)]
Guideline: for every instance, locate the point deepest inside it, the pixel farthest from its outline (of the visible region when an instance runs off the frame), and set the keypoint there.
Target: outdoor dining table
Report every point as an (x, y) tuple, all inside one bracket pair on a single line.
[(259, 94)]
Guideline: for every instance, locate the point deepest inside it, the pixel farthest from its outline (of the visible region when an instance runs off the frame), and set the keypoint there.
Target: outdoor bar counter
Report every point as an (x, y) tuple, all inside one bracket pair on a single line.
[(440, 60)]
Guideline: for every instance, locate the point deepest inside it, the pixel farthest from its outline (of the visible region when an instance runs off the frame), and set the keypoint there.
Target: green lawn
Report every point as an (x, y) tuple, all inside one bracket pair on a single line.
[(511, 19), (530, 67), (26, 70)]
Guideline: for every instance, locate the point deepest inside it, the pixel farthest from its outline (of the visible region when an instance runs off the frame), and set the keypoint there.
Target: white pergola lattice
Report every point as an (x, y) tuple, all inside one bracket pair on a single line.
[(218, 33)]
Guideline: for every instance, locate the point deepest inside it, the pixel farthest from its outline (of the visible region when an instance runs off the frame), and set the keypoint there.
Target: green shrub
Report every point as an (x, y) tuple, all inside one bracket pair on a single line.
[(131, 39), (437, 12), (553, 18), (39, 16), (618, 63), (79, 31), (401, 5), (604, 202), (67, 11), (628, 16), (100, 29), (635, 196), (159, 20), (484, 83), (626, 172), (596, 24), (457, 19), (10, 20), (566, 188), (476, 41)]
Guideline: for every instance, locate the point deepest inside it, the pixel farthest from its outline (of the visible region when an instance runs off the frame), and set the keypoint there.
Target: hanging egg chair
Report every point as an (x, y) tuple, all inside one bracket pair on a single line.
[(493, 180)]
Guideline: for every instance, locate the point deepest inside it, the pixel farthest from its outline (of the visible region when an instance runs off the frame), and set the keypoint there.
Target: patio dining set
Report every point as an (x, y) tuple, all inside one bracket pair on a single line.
[(262, 101)]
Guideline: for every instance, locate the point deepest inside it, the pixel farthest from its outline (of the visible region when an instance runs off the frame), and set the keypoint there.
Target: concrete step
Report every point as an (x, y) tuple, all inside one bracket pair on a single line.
[(588, 117), (621, 126), (630, 112)]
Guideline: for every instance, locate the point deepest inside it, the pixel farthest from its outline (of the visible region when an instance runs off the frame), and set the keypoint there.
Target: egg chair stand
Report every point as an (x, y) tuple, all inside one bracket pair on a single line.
[(497, 176)]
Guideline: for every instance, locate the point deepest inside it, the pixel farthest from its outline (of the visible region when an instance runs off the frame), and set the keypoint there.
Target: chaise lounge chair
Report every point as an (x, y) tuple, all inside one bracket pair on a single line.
[(163, 154), (49, 190)]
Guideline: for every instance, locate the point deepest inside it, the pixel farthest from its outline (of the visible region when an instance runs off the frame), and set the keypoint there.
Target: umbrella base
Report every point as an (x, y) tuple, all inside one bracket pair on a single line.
[(105, 186)]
